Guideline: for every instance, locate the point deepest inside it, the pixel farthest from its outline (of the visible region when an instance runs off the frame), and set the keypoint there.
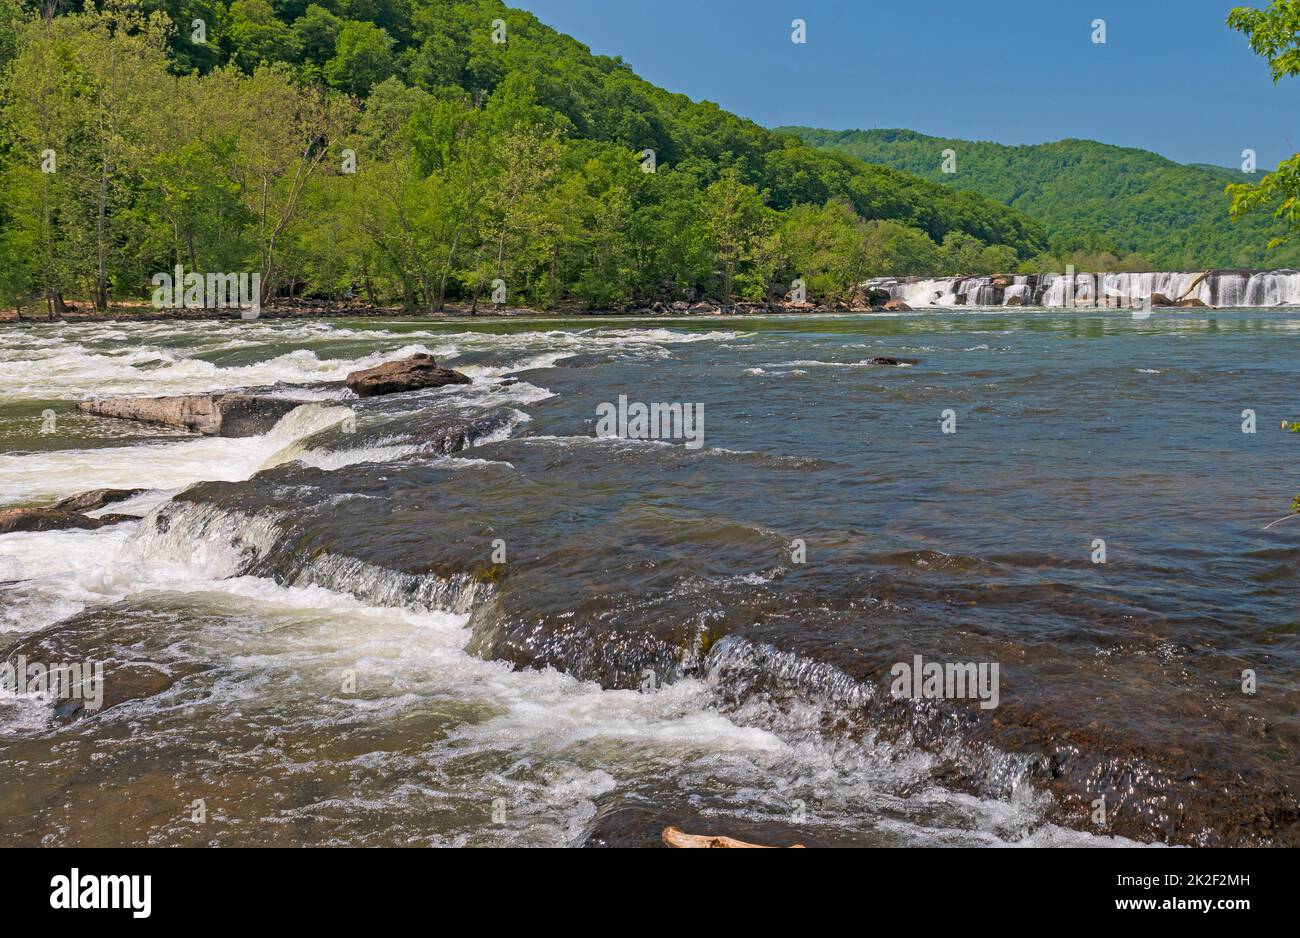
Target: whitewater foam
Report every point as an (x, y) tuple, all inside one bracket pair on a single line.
[(173, 464)]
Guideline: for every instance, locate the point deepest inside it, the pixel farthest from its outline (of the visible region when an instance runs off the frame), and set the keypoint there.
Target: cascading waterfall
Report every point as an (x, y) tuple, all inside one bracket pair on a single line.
[(1214, 288), (380, 587)]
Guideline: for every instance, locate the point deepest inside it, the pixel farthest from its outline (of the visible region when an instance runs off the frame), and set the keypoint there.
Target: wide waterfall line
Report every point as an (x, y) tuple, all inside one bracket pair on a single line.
[(1214, 288)]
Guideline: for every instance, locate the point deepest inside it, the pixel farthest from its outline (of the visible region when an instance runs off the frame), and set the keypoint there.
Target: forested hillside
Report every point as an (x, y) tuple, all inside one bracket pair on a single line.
[(1092, 198), (417, 151)]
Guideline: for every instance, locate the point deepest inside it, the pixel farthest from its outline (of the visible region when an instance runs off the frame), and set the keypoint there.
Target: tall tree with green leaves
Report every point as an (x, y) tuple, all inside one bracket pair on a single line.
[(83, 89), (738, 222), (363, 58), (284, 132)]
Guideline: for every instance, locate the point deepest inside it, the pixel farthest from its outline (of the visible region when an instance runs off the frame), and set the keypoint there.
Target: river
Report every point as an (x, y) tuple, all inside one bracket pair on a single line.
[(344, 632)]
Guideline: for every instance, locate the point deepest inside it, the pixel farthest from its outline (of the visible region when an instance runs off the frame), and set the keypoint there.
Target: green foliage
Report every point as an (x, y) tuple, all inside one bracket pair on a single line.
[(1274, 34), (1104, 207), (11, 20), (363, 57), (475, 161), (257, 36), (315, 33)]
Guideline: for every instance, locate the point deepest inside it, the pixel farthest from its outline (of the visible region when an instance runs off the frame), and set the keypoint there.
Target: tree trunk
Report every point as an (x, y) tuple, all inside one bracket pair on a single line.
[(369, 287), (446, 271), (101, 253)]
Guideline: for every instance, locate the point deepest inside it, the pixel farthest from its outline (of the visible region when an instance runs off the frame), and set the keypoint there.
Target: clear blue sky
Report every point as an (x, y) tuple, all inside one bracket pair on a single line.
[(1170, 78)]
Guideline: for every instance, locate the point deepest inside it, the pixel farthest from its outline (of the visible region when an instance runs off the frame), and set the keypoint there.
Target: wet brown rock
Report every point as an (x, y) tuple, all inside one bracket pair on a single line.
[(891, 361), (416, 373), (230, 415), (94, 500), (98, 638), (106, 520), (13, 520), (897, 306), (1159, 299)]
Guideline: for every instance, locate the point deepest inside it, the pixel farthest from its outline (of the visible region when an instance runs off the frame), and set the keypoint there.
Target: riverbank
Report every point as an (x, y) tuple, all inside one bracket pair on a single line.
[(1204, 289), (331, 310)]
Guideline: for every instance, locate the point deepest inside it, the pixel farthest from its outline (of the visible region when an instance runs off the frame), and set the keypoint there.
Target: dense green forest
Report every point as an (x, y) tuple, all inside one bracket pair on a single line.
[(1104, 207), (417, 152)]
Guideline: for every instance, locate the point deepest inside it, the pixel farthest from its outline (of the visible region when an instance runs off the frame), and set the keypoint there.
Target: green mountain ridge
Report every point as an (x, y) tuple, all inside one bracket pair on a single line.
[(1089, 196), (488, 147)]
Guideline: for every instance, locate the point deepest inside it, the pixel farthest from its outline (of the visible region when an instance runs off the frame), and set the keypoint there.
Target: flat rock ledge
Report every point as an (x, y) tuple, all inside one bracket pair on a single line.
[(69, 514), (230, 415), (15, 520), (95, 500), (417, 373)]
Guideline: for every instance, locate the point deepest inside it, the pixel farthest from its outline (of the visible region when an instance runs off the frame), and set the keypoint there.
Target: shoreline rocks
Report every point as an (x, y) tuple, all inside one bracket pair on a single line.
[(417, 373), (223, 414)]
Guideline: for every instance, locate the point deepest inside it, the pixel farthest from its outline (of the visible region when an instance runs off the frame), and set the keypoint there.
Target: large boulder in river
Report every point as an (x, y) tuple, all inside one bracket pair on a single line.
[(410, 374), (870, 296), (13, 520), (1159, 299), (897, 306), (210, 414)]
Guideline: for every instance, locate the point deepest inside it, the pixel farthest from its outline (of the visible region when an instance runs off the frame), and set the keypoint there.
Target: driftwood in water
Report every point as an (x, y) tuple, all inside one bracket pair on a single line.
[(1195, 283), (223, 414), (675, 838)]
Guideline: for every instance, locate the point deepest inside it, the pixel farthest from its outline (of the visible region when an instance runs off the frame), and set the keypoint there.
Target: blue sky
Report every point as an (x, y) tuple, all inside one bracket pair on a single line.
[(1170, 77)]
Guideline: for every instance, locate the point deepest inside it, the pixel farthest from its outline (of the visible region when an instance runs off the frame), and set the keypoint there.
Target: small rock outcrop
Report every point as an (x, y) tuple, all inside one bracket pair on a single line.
[(897, 306), (894, 362), (416, 373), (230, 415), (93, 501), (14, 520)]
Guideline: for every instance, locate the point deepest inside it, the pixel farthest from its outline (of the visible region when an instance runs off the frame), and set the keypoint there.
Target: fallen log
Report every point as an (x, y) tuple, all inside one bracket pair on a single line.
[(676, 838), (231, 415)]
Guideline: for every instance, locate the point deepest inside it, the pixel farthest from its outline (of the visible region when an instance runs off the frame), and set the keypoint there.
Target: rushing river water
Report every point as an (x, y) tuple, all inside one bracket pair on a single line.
[(353, 631)]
